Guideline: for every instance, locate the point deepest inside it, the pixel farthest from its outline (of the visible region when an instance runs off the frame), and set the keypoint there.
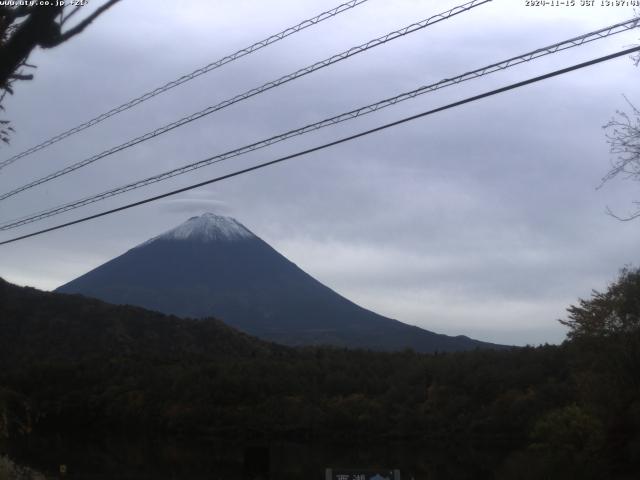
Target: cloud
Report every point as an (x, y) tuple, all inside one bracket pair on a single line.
[(195, 203), (482, 220)]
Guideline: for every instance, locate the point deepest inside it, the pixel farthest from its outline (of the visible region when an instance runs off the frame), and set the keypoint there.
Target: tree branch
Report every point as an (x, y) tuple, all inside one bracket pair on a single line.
[(40, 27), (20, 76), (71, 14), (628, 218), (83, 24), (16, 12)]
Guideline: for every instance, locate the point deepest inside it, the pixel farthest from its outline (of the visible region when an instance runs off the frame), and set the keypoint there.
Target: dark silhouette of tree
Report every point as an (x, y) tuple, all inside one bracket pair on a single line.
[(25, 27), (612, 313), (605, 347)]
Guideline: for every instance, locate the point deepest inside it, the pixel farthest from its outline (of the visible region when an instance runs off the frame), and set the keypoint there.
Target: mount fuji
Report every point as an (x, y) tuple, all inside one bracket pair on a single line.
[(213, 266)]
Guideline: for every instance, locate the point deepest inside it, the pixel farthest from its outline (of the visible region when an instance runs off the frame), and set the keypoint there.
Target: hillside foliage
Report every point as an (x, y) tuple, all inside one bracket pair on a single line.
[(68, 364)]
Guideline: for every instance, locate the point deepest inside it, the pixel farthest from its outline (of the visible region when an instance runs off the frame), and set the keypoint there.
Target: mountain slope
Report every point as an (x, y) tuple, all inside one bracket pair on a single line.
[(214, 266)]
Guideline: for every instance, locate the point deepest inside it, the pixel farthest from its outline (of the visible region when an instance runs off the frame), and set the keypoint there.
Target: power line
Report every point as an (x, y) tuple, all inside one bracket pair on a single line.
[(502, 65), (254, 91), (188, 77), (335, 142)]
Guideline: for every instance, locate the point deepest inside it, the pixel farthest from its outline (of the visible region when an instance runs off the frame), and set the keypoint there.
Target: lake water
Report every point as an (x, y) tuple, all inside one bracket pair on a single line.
[(181, 459)]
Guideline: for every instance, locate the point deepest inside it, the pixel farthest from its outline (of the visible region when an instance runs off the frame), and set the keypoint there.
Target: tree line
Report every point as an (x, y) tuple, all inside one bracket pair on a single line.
[(71, 364)]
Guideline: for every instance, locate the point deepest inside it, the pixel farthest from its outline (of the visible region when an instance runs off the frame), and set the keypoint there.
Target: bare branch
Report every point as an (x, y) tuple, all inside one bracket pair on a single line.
[(20, 76), (83, 24), (71, 14), (623, 136), (628, 218)]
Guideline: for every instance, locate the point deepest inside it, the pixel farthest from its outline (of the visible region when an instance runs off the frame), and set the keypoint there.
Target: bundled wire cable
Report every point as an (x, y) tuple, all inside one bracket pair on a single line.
[(358, 112), (335, 142), (253, 92), (188, 77)]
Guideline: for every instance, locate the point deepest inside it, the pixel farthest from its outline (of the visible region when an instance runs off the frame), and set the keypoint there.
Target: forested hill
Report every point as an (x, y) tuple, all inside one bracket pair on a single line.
[(79, 362), (68, 363), (44, 326)]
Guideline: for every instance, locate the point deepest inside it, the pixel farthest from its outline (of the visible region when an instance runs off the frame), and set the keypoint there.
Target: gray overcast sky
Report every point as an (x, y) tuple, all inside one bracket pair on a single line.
[(483, 220)]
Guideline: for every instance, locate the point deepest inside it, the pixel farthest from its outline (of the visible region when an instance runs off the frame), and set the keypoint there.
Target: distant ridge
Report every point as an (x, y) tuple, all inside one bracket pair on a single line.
[(212, 265)]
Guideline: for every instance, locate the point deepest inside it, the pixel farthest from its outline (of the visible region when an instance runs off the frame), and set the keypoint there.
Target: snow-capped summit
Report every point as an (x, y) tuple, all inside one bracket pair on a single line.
[(207, 227)]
